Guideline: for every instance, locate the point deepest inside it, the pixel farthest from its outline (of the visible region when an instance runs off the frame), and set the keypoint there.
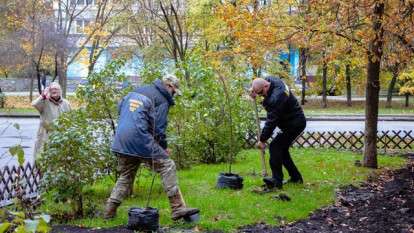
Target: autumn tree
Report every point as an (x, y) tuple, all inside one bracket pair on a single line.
[(250, 32), (371, 25), (407, 84), (29, 37), (82, 24), (161, 28)]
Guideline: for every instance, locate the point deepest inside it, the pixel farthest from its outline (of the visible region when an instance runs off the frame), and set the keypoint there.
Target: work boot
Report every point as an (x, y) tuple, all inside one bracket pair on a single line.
[(272, 183), (179, 209), (110, 210), (293, 181)]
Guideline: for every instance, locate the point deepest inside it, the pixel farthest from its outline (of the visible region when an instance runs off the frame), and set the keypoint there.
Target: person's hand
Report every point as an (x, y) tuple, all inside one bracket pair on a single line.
[(45, 93), (252, 94), (261, 145), (168, 150)]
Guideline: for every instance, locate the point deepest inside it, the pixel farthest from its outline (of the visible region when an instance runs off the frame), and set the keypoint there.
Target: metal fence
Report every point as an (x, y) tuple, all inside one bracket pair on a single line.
[(29, 175)]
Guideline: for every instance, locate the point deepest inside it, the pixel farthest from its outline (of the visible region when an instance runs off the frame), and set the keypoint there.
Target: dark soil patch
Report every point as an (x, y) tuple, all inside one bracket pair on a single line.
[(384, 204), (70, 229), (119, 229)]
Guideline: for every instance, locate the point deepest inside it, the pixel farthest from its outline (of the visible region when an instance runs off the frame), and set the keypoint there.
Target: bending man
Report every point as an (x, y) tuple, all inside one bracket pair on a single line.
[(284, 112), (140, 138)]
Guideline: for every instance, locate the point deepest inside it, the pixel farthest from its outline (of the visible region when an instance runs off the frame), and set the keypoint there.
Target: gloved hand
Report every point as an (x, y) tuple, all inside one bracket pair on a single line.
[(261, 145)]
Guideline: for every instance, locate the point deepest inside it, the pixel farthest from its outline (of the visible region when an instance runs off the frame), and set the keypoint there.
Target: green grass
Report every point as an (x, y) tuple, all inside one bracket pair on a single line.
[(313, 107), (18, 111), (323, 171), (356, 110)]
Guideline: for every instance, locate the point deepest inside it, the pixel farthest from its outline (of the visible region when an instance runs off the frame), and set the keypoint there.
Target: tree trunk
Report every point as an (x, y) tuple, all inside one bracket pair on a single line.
[(39, 85), (78, 202), (391, 87), (55, 73), (62, 72), (302, 67), (324, 84), (407, 99), (31, 87), (372, 88), (348, 85)]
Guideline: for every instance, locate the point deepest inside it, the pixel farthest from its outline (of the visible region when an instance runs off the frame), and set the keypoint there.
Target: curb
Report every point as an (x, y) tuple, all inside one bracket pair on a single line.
[(19, 115)]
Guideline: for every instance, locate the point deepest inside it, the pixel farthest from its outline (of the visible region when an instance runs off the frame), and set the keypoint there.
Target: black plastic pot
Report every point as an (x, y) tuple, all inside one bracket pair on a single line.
[(229, 180), (143, 219)]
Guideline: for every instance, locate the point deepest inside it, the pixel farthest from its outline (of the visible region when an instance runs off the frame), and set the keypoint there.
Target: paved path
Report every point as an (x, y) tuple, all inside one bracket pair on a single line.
[(29, 127), (10, 136)]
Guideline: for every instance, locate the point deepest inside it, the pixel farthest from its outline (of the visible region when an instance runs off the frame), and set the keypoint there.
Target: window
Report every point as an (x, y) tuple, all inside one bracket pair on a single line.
[(79, 25), (82, 2)]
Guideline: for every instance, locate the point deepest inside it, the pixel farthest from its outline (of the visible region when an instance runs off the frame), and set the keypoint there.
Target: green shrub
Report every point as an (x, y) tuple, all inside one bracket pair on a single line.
[(204, 120), (78, 150)]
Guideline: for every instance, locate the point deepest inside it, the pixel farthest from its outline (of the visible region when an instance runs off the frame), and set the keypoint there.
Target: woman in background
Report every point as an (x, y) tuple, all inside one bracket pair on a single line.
[(50, 105)]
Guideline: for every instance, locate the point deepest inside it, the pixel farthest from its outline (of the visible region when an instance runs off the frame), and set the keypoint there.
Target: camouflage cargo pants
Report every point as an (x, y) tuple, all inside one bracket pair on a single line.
[(127, 168)]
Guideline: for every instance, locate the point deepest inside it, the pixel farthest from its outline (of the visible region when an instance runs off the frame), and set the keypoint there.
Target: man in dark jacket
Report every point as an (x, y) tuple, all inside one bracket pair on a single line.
[(140, 138), (284, 112)]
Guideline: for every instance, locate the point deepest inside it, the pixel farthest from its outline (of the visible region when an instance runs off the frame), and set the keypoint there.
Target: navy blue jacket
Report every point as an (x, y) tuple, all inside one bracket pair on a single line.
[(143, 122), (283, 109), (162, 101)]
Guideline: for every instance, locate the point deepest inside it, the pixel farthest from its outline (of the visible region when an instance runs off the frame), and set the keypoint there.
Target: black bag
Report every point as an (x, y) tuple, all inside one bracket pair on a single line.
[(229, 180), (143, 219)]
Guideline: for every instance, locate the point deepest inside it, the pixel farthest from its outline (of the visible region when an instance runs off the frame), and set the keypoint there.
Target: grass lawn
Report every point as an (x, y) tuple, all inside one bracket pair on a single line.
[(313, 107), (18, 111), (323, 171)]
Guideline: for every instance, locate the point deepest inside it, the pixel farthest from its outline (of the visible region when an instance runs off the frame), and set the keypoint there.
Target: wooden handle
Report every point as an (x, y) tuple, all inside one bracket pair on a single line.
[(262, 151)]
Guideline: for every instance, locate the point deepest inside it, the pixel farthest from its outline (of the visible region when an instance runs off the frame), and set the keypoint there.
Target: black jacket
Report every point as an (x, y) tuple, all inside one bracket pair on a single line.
[(283, 109), (162, 101)]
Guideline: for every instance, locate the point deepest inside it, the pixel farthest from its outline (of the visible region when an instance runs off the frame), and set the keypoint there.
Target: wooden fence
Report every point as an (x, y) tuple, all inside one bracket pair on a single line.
[(348, 140), (28, 176)]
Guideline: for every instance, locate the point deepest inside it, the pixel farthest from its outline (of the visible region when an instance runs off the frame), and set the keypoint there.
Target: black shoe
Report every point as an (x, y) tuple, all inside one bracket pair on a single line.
[(293, 181), (272, 183)]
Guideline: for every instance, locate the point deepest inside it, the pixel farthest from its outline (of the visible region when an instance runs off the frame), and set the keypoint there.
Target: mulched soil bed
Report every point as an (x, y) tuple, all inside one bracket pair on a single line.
[(120, 229), (70, 229), (383, 204)]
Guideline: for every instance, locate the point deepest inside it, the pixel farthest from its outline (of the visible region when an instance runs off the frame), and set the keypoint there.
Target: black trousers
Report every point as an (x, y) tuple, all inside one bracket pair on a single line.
[(279, 152)]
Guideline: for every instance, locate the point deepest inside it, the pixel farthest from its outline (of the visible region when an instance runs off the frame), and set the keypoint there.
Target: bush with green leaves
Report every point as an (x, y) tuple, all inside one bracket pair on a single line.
[(206, 125), (78, 149)]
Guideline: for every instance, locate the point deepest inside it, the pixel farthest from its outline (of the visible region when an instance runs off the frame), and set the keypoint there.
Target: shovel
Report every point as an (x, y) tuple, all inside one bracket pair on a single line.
[(262, 151)]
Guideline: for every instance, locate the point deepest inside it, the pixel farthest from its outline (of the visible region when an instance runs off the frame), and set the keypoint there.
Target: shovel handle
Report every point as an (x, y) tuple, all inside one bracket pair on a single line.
[(263, 159), (262, 151)]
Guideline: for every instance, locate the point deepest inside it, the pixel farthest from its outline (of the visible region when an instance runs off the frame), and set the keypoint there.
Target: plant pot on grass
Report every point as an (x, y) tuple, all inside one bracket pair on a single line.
[(143, 219), (229, 180)]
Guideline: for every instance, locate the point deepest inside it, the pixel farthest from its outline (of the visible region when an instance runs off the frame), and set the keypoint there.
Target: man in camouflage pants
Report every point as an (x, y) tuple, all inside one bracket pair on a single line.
[(140, 138)]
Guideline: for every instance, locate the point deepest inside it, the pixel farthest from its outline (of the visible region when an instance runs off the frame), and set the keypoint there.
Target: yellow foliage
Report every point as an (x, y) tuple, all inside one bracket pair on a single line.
[(407, 78)]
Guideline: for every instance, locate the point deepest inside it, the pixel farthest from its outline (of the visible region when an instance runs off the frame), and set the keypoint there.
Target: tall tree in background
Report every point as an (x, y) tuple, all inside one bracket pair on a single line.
[(163, 25), (377, 24), (29, 38), (407, 83), (80, 24), (109, 21)]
